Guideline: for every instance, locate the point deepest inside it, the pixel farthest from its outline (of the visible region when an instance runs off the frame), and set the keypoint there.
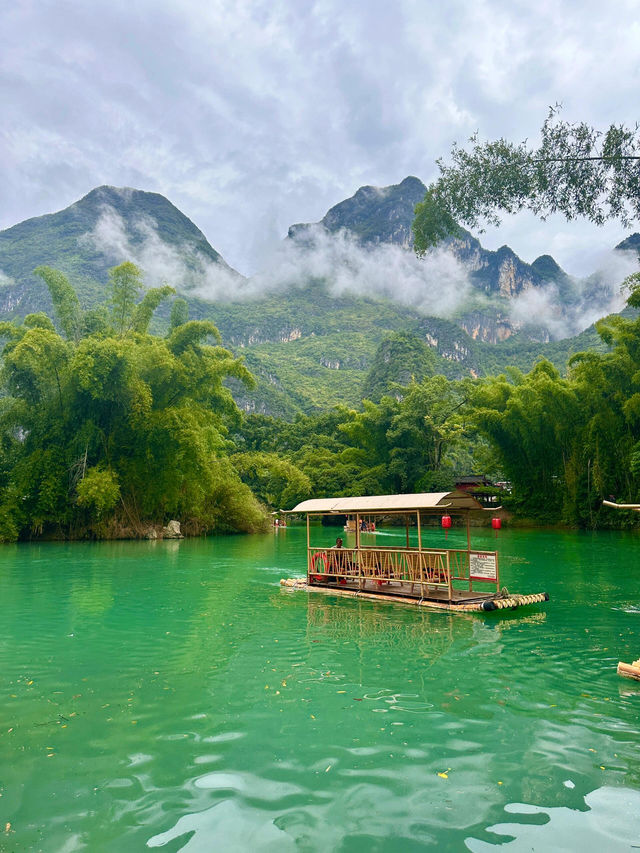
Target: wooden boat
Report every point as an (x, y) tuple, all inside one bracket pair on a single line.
[(457, 579), (630, 670), (614, 505), (365, 525)]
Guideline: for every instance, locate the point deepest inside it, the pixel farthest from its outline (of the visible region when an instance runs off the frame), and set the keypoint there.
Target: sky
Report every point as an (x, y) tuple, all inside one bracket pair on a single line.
[(251, 116)]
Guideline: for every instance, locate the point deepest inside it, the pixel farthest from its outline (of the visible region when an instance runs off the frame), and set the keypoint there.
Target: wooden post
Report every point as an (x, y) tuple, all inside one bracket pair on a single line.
[(308, 549), (469, 551), (358, 549), (406, 524), (420, 563)]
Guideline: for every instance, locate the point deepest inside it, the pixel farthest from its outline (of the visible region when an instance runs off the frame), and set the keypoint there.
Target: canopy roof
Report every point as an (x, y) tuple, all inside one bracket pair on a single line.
[(636, 507), (435, 501)]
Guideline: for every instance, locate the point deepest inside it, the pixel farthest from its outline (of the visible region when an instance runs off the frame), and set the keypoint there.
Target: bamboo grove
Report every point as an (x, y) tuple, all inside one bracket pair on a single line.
[(107, 429)]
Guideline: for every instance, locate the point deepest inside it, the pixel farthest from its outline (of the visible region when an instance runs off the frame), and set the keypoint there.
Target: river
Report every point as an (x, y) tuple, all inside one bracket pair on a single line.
[(171, 695)]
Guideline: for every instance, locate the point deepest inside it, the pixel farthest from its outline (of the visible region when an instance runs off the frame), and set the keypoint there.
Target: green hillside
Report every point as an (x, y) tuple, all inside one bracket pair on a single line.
[(308, 348), (64, 241)]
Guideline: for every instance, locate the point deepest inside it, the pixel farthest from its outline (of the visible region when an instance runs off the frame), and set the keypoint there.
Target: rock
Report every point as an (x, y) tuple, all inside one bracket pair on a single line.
[(172, 531), (151, 533)]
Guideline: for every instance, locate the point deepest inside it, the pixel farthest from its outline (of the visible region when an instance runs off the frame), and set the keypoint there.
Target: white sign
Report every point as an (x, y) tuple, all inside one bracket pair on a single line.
[(483, 567)]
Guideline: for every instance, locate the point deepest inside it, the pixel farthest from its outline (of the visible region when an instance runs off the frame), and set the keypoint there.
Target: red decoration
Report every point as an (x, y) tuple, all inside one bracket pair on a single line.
[(446, 523), (496, 523)]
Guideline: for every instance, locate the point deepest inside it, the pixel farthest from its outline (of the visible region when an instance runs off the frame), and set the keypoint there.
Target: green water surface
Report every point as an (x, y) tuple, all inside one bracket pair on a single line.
[(171, 695)]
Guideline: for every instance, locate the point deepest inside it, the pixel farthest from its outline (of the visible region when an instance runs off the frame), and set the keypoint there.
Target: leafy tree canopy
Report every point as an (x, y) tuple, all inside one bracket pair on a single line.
[(576, 170), (106, 429)]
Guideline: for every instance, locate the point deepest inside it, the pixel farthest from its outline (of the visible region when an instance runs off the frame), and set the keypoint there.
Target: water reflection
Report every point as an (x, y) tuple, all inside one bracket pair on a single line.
[(610, 822), (425, 635)]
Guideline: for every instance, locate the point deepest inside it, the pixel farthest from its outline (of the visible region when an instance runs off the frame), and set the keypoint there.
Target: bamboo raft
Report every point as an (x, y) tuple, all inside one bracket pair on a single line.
[(630, 670), (459, 579)]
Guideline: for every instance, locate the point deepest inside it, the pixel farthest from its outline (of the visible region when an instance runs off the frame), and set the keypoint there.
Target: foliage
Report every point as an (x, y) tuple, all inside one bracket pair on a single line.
[(577, 171), (119, 426), (274, 480), (98, 490), (400, 358)]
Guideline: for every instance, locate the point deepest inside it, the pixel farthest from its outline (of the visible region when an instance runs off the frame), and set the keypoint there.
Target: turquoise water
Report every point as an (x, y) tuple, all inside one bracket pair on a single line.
[(171, 696)]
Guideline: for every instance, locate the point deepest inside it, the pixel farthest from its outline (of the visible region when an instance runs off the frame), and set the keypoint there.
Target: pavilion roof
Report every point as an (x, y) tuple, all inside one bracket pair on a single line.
[(435, 501)]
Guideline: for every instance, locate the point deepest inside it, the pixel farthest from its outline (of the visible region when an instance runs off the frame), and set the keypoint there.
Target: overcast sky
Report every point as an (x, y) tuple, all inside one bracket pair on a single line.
[(250, 116)]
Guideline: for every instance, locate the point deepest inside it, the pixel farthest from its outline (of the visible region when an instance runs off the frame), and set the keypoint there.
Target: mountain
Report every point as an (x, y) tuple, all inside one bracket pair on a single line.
[(372, 215), (383, 215), (102, 229), (311, 342), (631, 244)]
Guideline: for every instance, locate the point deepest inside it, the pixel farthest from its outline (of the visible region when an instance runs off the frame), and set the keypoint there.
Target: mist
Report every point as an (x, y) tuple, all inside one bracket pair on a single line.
[(590, 298), (436, 285), (188, 270)]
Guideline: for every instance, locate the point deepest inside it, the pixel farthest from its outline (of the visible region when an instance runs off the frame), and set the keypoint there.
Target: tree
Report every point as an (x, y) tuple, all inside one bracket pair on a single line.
[(65, 301), (576, 170), (126, 284), (118, 429), (179, 313)]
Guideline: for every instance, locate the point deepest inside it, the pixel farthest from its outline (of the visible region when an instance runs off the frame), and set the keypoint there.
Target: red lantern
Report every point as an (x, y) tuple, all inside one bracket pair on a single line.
[(446, 523), (496, 523)]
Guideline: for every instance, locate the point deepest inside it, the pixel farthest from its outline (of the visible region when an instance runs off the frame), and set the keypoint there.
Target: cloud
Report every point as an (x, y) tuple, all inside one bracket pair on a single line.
[(436, 285), (566, 314), (239, 107), (5, 279), (186, 269)]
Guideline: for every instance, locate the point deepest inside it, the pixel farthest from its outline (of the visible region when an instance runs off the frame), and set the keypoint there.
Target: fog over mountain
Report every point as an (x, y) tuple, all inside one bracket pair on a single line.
[(362, 247)]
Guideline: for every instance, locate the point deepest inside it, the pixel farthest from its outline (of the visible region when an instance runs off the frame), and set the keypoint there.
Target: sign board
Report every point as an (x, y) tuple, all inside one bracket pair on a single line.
[(483, 567)]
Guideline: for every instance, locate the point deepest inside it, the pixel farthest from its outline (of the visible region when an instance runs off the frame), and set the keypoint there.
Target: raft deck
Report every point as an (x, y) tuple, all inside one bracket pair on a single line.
[(436, 599)]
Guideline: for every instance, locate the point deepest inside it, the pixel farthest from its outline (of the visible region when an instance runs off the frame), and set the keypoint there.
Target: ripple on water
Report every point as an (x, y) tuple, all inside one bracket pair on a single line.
[(179, 700), (611, 823)]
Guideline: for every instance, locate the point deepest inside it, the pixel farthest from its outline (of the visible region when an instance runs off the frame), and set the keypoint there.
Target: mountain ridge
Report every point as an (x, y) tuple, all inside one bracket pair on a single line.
[(311, 346)]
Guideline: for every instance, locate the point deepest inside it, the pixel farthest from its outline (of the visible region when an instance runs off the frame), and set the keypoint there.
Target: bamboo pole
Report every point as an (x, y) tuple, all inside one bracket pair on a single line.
[(420, 562), (469, 552), (360, 583), (308, 548), (630, 670)]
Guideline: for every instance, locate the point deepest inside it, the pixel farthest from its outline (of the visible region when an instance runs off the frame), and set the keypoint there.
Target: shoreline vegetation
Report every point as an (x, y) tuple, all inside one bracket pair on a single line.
[(108, 431)]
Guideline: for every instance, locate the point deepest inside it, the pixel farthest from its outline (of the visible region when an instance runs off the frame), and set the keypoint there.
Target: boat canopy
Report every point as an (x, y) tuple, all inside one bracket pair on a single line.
[(434, 501), (635, 507)]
